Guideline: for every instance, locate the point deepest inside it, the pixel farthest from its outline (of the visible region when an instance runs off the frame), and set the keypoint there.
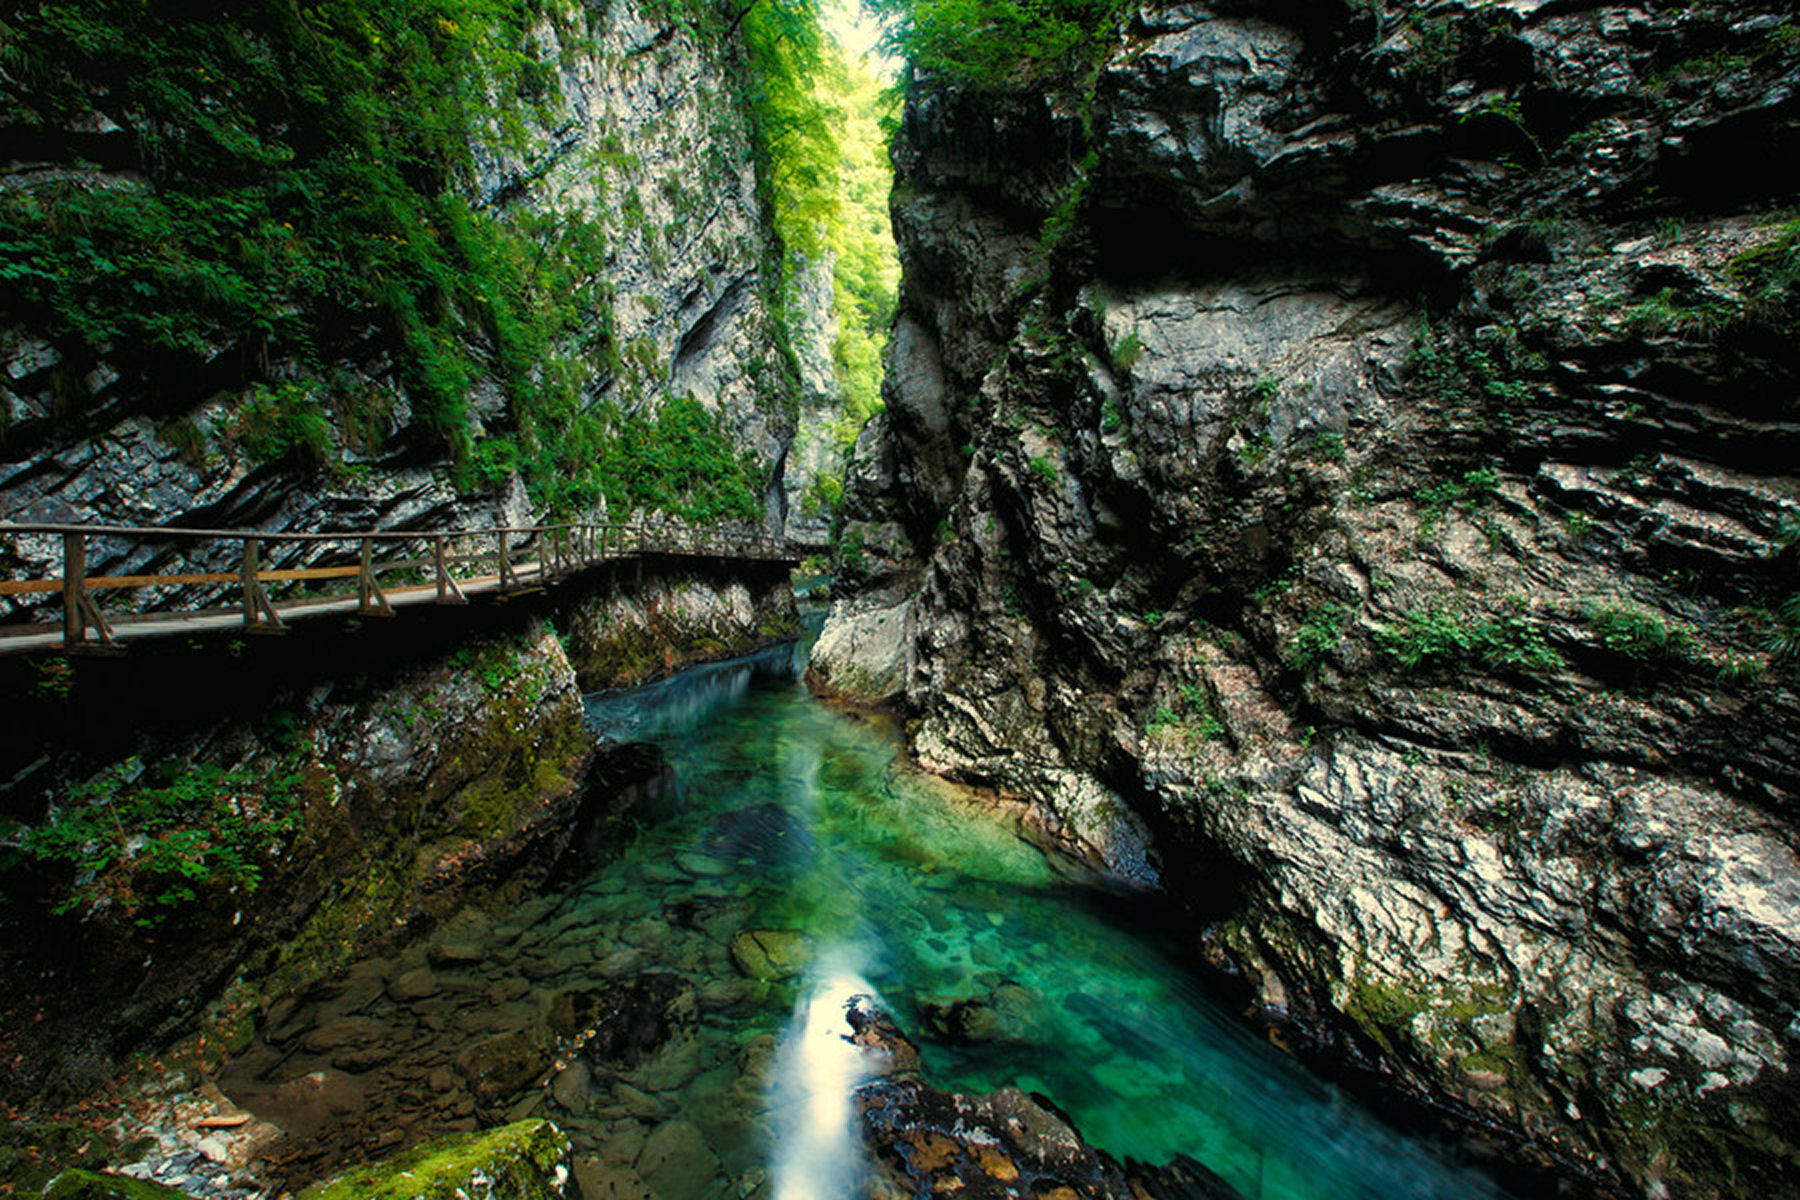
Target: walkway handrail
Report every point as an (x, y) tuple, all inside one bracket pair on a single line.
[(522, 555)]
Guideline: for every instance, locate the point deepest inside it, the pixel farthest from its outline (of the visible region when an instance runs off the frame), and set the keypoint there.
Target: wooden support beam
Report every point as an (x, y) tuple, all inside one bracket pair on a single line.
[(247, 580), (371, 601), (74, 571), (447, 590), (505, 572)]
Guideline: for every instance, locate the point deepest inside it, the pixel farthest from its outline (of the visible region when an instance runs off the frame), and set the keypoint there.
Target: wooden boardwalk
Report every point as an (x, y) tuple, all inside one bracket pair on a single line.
[(272, 579)]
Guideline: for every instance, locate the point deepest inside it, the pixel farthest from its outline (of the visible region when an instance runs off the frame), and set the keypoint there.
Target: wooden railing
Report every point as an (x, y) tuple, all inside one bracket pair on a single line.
[(447, 566)]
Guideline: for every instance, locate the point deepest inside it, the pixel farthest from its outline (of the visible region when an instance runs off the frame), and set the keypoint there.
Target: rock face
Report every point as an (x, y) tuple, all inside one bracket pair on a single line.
[(648, 146), (407, 786), (637, 627), (1380, 480)]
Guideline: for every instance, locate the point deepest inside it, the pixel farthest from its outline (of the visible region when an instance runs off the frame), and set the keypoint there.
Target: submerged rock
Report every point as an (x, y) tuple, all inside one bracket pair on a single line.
[(1004, 1144), (771, 954)]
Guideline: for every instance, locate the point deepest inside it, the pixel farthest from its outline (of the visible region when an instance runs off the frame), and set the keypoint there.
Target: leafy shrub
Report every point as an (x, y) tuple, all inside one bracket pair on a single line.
[(1003, 46), (1640, 635), (1439, 498), (1430, 637), (146, 841), (285, 425), (1318, 635)]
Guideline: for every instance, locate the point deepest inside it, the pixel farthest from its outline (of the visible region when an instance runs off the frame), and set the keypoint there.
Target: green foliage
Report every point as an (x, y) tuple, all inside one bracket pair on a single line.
[(1044, 470), (1770, 276), (1640, 635), (819, 122), (1488, 369), (1439, 498), (144, 842), (682, 461), (1003, 45), (1783, 636), (1318, 635), (822, 495), (1130, 349), (1193, 719), (1430, 638), (285, 424), (295, 175)]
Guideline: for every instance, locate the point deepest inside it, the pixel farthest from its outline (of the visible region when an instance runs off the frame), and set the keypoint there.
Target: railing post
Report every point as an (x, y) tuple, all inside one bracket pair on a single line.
[(363, 578), (544, 556), (247, 574), (74, 577), (505, 572), (443, 574)]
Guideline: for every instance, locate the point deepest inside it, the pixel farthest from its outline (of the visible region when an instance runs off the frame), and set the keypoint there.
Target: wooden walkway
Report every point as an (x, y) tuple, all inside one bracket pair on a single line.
[(272, 579)]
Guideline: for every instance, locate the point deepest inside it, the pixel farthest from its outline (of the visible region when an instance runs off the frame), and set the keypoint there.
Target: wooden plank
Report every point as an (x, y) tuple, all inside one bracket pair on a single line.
[(74, 568), (25, 587)]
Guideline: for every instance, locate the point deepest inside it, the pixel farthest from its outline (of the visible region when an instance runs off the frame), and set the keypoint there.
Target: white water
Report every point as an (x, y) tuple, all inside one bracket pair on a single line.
[(818, 1154)]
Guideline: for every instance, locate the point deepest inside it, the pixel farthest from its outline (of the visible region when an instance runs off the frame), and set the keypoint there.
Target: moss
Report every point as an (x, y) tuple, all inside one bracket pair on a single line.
[(521, 1161), (1385, 1011), (89, 1185)]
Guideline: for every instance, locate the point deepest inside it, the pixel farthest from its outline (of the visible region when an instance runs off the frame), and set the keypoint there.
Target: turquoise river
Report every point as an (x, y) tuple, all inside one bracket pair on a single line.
[(677, 1007)]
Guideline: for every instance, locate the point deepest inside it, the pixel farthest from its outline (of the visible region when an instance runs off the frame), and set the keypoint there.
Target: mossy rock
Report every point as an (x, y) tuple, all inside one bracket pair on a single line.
[(91, 1185), (771, 954), (527, 1160)]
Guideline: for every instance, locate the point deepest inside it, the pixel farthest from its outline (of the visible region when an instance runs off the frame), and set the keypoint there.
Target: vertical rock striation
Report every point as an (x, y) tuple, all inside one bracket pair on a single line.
[(1354, 448)]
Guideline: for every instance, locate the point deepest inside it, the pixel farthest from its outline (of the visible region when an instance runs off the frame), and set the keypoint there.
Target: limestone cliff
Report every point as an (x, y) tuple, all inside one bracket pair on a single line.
[(1351, 451), (606, 182)]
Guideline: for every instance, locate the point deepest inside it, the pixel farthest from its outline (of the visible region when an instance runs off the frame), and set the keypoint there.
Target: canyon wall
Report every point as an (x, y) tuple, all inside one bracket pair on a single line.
[(606, 181), (1344, 460)]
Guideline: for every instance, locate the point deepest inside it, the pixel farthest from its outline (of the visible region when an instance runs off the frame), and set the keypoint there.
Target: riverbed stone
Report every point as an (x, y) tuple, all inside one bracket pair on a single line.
[(600, 1180), (572, 1086), (676, 1161), (417, 984), (771, 954), (501, 1065)]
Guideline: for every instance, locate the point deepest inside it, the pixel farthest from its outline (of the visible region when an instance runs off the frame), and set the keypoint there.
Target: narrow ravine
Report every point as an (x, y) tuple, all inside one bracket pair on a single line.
[(678, 1010)]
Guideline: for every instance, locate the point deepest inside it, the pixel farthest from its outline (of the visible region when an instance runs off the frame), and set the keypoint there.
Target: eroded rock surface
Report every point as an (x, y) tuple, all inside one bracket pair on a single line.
[(1384, 500)]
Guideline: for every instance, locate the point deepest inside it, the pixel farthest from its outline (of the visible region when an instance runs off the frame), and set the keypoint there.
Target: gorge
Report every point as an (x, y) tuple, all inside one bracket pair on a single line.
[(1333, 525)]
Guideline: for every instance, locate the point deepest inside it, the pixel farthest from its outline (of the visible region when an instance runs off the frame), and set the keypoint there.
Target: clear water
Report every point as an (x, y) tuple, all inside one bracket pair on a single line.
[(931, 897), (790, 816)]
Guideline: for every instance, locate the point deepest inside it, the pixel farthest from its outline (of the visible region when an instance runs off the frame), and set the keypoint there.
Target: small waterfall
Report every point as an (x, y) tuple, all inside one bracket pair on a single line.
[(818, 1154)]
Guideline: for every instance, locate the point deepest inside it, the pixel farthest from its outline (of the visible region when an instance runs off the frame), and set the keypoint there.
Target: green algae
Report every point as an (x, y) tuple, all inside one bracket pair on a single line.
[(520, 1161)]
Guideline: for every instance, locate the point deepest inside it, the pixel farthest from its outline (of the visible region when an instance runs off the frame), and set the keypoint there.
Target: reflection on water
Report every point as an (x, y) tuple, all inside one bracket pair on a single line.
[(679, 1009)]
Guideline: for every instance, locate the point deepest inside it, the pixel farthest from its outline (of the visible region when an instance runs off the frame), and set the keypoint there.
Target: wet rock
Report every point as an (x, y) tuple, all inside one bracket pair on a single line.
[(409, 986), (500, 1066), (770, 954), (453, 954), (1003, 1144), (342, 1033), (676, 1161), (1004, 1014), (618, 1024), (572, 1087), (671, 1066), (598, 1180), (636, 1103)]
